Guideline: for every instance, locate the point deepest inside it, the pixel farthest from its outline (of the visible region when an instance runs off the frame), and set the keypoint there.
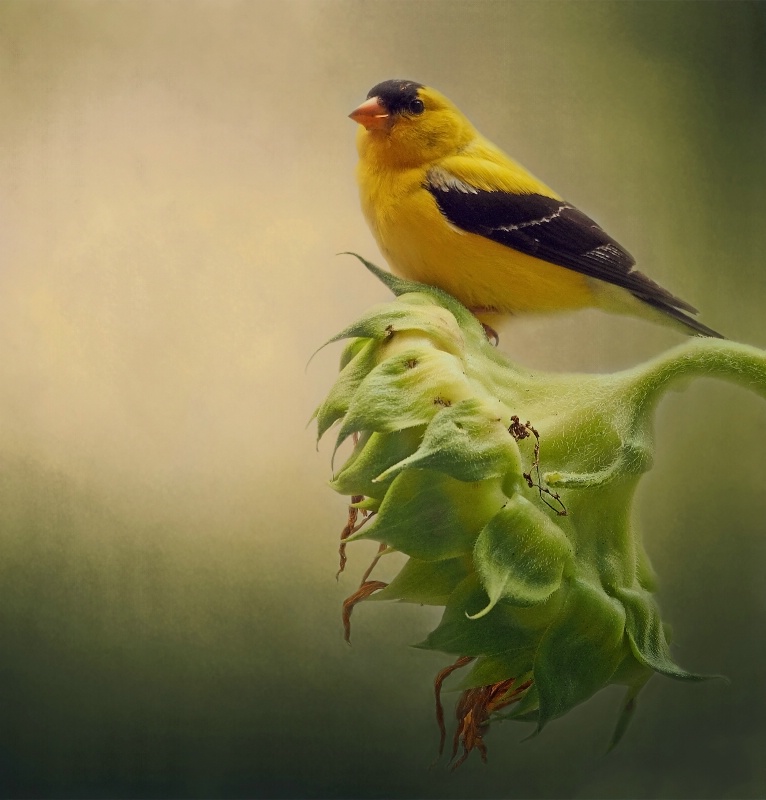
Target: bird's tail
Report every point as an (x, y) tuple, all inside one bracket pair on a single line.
[(690, 324), (656, 306)]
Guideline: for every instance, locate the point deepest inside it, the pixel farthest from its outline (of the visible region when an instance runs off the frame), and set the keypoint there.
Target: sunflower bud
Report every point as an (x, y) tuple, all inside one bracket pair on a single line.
[(511, 493)]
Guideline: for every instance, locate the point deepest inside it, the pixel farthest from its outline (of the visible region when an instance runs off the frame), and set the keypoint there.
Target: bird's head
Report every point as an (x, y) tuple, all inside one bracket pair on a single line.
[(407, 124)]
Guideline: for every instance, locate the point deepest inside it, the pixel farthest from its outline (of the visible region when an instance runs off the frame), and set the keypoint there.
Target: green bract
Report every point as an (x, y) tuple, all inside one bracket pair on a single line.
[(551, 597)]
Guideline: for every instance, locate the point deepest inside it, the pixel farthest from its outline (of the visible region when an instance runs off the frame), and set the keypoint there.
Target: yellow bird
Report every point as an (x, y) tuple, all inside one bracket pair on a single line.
[(450, 209)]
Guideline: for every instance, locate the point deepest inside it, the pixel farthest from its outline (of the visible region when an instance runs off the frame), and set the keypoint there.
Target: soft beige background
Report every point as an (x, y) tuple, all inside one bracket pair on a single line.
[(175, 181)]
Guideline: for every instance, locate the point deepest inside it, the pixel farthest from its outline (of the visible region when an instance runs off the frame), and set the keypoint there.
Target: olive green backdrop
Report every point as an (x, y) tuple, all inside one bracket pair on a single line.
[(175, 180)]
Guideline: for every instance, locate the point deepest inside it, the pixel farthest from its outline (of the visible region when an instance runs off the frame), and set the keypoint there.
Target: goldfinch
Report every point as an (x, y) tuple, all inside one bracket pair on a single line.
[(450, 209)]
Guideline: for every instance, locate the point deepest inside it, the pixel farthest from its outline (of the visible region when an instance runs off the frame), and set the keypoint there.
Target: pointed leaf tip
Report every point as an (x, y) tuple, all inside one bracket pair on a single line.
[(647, 637), (397, 285), (400, 286)]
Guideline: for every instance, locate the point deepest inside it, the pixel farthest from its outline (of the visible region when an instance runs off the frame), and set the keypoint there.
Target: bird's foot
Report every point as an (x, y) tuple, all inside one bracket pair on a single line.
[(491, 333)]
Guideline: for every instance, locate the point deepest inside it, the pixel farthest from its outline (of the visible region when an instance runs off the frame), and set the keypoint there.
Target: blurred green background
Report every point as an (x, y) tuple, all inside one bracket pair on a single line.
[(176, 180)]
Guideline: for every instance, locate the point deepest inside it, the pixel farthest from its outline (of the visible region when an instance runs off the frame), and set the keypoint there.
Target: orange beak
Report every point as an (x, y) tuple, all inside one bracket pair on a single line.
[(371, 114)]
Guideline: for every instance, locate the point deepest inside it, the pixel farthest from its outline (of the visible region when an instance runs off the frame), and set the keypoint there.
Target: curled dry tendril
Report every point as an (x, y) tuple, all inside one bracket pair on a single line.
[(520, 431)]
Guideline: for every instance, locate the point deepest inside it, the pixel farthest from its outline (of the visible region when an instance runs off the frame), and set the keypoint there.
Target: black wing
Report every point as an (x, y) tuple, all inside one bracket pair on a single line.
[(549, 229)]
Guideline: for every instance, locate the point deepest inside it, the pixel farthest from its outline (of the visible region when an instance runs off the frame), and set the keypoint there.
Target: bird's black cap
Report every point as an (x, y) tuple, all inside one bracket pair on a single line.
[(395, 95)]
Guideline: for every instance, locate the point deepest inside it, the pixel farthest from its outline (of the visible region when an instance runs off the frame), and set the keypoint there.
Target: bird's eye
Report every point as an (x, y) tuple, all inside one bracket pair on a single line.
[(416, 107)]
